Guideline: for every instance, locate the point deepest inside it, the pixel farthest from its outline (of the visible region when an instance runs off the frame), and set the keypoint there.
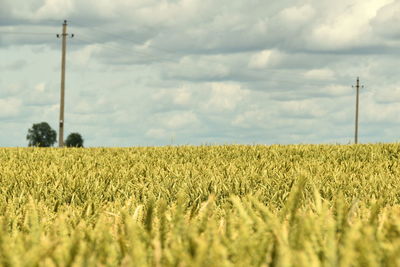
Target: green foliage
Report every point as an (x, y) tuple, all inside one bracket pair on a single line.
[(320, 205), (74, 140), (41, 135)]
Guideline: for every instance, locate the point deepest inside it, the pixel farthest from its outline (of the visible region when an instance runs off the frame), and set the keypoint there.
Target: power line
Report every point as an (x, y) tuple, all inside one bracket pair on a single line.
[(122, 37), (123, 50), (115, 48), (107, 33), (26, 33)]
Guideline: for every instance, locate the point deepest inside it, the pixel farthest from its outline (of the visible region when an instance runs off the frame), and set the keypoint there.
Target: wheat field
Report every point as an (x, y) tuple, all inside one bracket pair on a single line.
[(232, 205)]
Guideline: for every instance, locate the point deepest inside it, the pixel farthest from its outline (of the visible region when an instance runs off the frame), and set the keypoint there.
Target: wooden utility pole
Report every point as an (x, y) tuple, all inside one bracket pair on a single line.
[(64, 50), (357, 104)]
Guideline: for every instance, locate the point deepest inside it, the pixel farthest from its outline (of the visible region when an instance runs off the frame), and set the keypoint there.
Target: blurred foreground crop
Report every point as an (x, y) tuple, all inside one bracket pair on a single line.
[(300, 205)]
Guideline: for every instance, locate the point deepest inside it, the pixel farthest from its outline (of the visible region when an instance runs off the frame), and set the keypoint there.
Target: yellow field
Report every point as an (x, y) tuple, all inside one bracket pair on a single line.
[(304, 205)]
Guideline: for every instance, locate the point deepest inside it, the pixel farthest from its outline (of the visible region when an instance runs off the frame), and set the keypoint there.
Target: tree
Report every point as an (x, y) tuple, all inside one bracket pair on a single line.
[(41, 135), (74, 140)]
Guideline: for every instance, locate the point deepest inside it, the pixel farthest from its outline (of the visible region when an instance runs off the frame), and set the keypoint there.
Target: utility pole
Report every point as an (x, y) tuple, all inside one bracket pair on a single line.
[(64, 50), (357, 104)]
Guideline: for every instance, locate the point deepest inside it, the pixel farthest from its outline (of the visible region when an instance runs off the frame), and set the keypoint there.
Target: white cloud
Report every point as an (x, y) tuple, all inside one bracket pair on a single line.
[(166, 13), (181, 96), (40, 87), (336, 90), (320, 74), (303, 108), (10, 89), (9, 107), (264, 58), (225, 96), (388, 95), (83, 56), (344, 24), (297, 15), (181, 120), (372, 112), (387, 20), (195, 68), (156, 133), (54, 9), (251, 118), (83, 107), (16, 65)]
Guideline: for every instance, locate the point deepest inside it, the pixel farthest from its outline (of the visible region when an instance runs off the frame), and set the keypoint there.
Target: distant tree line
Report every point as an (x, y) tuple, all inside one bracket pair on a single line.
[(42, 135)]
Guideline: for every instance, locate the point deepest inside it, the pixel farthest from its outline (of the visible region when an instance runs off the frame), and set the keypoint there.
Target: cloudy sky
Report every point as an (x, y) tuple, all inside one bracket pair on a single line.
[(161, 72)]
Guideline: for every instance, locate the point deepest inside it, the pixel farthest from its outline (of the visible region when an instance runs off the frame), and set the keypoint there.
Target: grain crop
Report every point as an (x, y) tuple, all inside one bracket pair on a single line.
[(231, 205)]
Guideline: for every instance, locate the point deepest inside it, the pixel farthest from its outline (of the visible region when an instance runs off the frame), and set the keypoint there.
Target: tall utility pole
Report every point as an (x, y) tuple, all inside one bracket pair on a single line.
[(357, 104), (64, 50)]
